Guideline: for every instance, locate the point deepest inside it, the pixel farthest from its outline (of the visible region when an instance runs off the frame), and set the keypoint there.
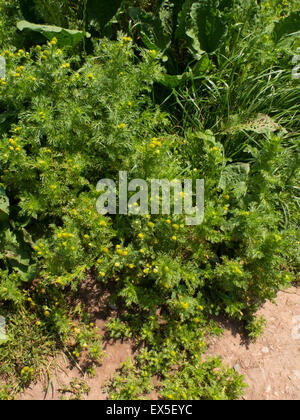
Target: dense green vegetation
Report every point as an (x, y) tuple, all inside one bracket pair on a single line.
[(161, 89)]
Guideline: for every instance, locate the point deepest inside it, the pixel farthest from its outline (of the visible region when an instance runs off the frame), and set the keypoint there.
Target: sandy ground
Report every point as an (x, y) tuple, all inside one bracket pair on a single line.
[(271, 366)]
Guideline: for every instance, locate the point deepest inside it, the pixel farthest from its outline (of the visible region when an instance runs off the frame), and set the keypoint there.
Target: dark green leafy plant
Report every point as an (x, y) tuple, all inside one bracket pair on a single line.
[(287, 25), (102, 11), (53, 12), (206, 27), (178, 27), (15, 241)]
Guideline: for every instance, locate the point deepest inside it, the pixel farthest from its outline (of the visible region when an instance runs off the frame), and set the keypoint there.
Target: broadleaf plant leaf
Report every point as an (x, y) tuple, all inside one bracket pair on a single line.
[(152, 29), (207, 27), (102, 11), (287, 25), (65, 37), (4, 202), (170, 81)]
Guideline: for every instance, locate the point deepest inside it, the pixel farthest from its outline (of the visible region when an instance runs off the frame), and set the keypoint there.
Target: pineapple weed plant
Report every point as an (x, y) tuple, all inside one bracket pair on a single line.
[(69, 119)]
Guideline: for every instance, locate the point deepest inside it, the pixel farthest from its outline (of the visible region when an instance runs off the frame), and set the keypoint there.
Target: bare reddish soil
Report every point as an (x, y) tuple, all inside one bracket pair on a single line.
[(271, 365)]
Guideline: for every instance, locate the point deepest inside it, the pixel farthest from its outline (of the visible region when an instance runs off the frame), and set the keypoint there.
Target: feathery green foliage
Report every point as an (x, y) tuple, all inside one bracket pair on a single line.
[(171, 100)]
